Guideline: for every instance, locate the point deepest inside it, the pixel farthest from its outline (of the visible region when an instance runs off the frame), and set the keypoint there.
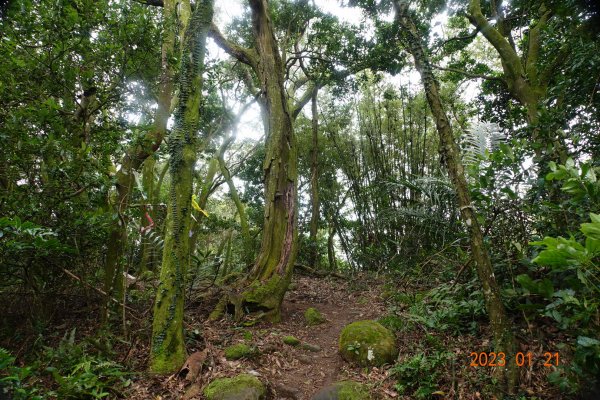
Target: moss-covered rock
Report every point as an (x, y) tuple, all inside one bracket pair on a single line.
[(367, 343), (238, 351), (241, 387), (313, 316), (344, 390), (291, 340)]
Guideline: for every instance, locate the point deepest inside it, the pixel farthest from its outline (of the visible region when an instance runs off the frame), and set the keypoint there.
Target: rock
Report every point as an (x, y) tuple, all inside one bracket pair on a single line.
[(238, 351), (241, 387), (367, 343), (313, 316), (311, 347), (290, 340), (344, 390)]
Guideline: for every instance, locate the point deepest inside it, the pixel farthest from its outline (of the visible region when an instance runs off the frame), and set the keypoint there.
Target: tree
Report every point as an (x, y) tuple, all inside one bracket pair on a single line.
[(139, 152), (500, 324), (167, 351)]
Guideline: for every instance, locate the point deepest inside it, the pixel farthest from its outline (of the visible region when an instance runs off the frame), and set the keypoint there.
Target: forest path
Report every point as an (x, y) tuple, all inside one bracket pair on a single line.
[(299, 372), (291, 372)]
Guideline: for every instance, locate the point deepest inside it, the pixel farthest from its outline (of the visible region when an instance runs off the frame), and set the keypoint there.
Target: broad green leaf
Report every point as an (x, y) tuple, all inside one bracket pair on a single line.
[(587, 341)]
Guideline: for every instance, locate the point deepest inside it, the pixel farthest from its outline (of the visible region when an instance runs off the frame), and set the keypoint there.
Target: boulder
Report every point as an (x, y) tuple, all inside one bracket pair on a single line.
[(313, 316), (367, 343), (238, 351), (241, 387), (344, 390), (291, 340)]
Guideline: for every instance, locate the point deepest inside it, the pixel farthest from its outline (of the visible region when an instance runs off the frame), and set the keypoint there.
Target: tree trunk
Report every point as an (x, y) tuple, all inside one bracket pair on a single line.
[(273, 269), (500, 324), (168, 352), (314, 184), (241, 209), (135, 156), (148, 183)]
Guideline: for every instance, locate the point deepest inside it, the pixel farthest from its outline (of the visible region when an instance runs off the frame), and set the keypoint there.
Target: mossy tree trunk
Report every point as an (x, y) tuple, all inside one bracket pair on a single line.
[(272, 271), (314, 183), (167, 352), (501, 326), (136, 155)]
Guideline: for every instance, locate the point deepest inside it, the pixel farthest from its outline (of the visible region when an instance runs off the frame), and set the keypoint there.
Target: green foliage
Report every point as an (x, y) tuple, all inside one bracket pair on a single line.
[(14, 380), (77, 374), (456, 309), (570, 288), (80, 374), (419, 376)]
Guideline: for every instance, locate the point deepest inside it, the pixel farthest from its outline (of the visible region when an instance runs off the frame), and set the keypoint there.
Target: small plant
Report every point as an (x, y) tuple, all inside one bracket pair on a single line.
[(420, 375), (354, 347), (14, 380)]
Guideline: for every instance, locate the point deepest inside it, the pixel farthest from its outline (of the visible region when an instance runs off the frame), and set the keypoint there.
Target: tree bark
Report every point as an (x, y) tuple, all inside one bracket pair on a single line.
[(168, 352), (314, 183), (501, 326), (273, 269)]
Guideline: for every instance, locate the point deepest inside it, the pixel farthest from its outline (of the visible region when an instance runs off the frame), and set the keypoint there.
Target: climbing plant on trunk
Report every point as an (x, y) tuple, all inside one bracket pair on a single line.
[(167, 351)]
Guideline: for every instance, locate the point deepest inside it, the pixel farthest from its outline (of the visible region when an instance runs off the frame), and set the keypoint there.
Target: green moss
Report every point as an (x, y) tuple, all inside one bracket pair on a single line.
[(266, 296), (367, 343), (241, 387), (344, 390), (238, 351), (349, 390), (291, 340), (313, 316), (247, 336)]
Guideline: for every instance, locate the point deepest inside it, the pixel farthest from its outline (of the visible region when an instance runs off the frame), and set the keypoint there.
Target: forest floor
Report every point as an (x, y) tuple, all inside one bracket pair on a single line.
[(434, 358), (294, 372), (434, 361)]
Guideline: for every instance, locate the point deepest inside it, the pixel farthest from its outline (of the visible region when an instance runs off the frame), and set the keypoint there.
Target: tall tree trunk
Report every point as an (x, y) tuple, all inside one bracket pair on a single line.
[(314, 183), (501, 326), (135, 156), (273, 269), (168, 351)]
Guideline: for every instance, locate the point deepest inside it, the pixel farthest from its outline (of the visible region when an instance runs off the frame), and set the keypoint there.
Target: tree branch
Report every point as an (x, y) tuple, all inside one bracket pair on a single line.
[(242, 54), (533, 50), (155, 3), (469, 74), (510, 59)]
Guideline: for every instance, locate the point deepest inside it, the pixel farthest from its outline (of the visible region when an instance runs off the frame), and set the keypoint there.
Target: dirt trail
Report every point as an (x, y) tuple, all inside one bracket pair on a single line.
[(290, 372), (304, 371)]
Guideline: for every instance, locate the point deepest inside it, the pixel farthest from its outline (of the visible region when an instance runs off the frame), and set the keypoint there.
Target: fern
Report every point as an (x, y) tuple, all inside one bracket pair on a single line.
[(482, 137)]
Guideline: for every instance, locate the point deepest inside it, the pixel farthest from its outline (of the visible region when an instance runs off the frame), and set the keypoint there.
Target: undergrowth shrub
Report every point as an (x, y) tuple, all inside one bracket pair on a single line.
[(420, 375), (563, 280), (75, 371)]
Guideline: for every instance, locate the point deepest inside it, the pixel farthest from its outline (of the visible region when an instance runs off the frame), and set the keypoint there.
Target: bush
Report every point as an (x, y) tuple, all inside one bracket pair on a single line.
[(420, 374)]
